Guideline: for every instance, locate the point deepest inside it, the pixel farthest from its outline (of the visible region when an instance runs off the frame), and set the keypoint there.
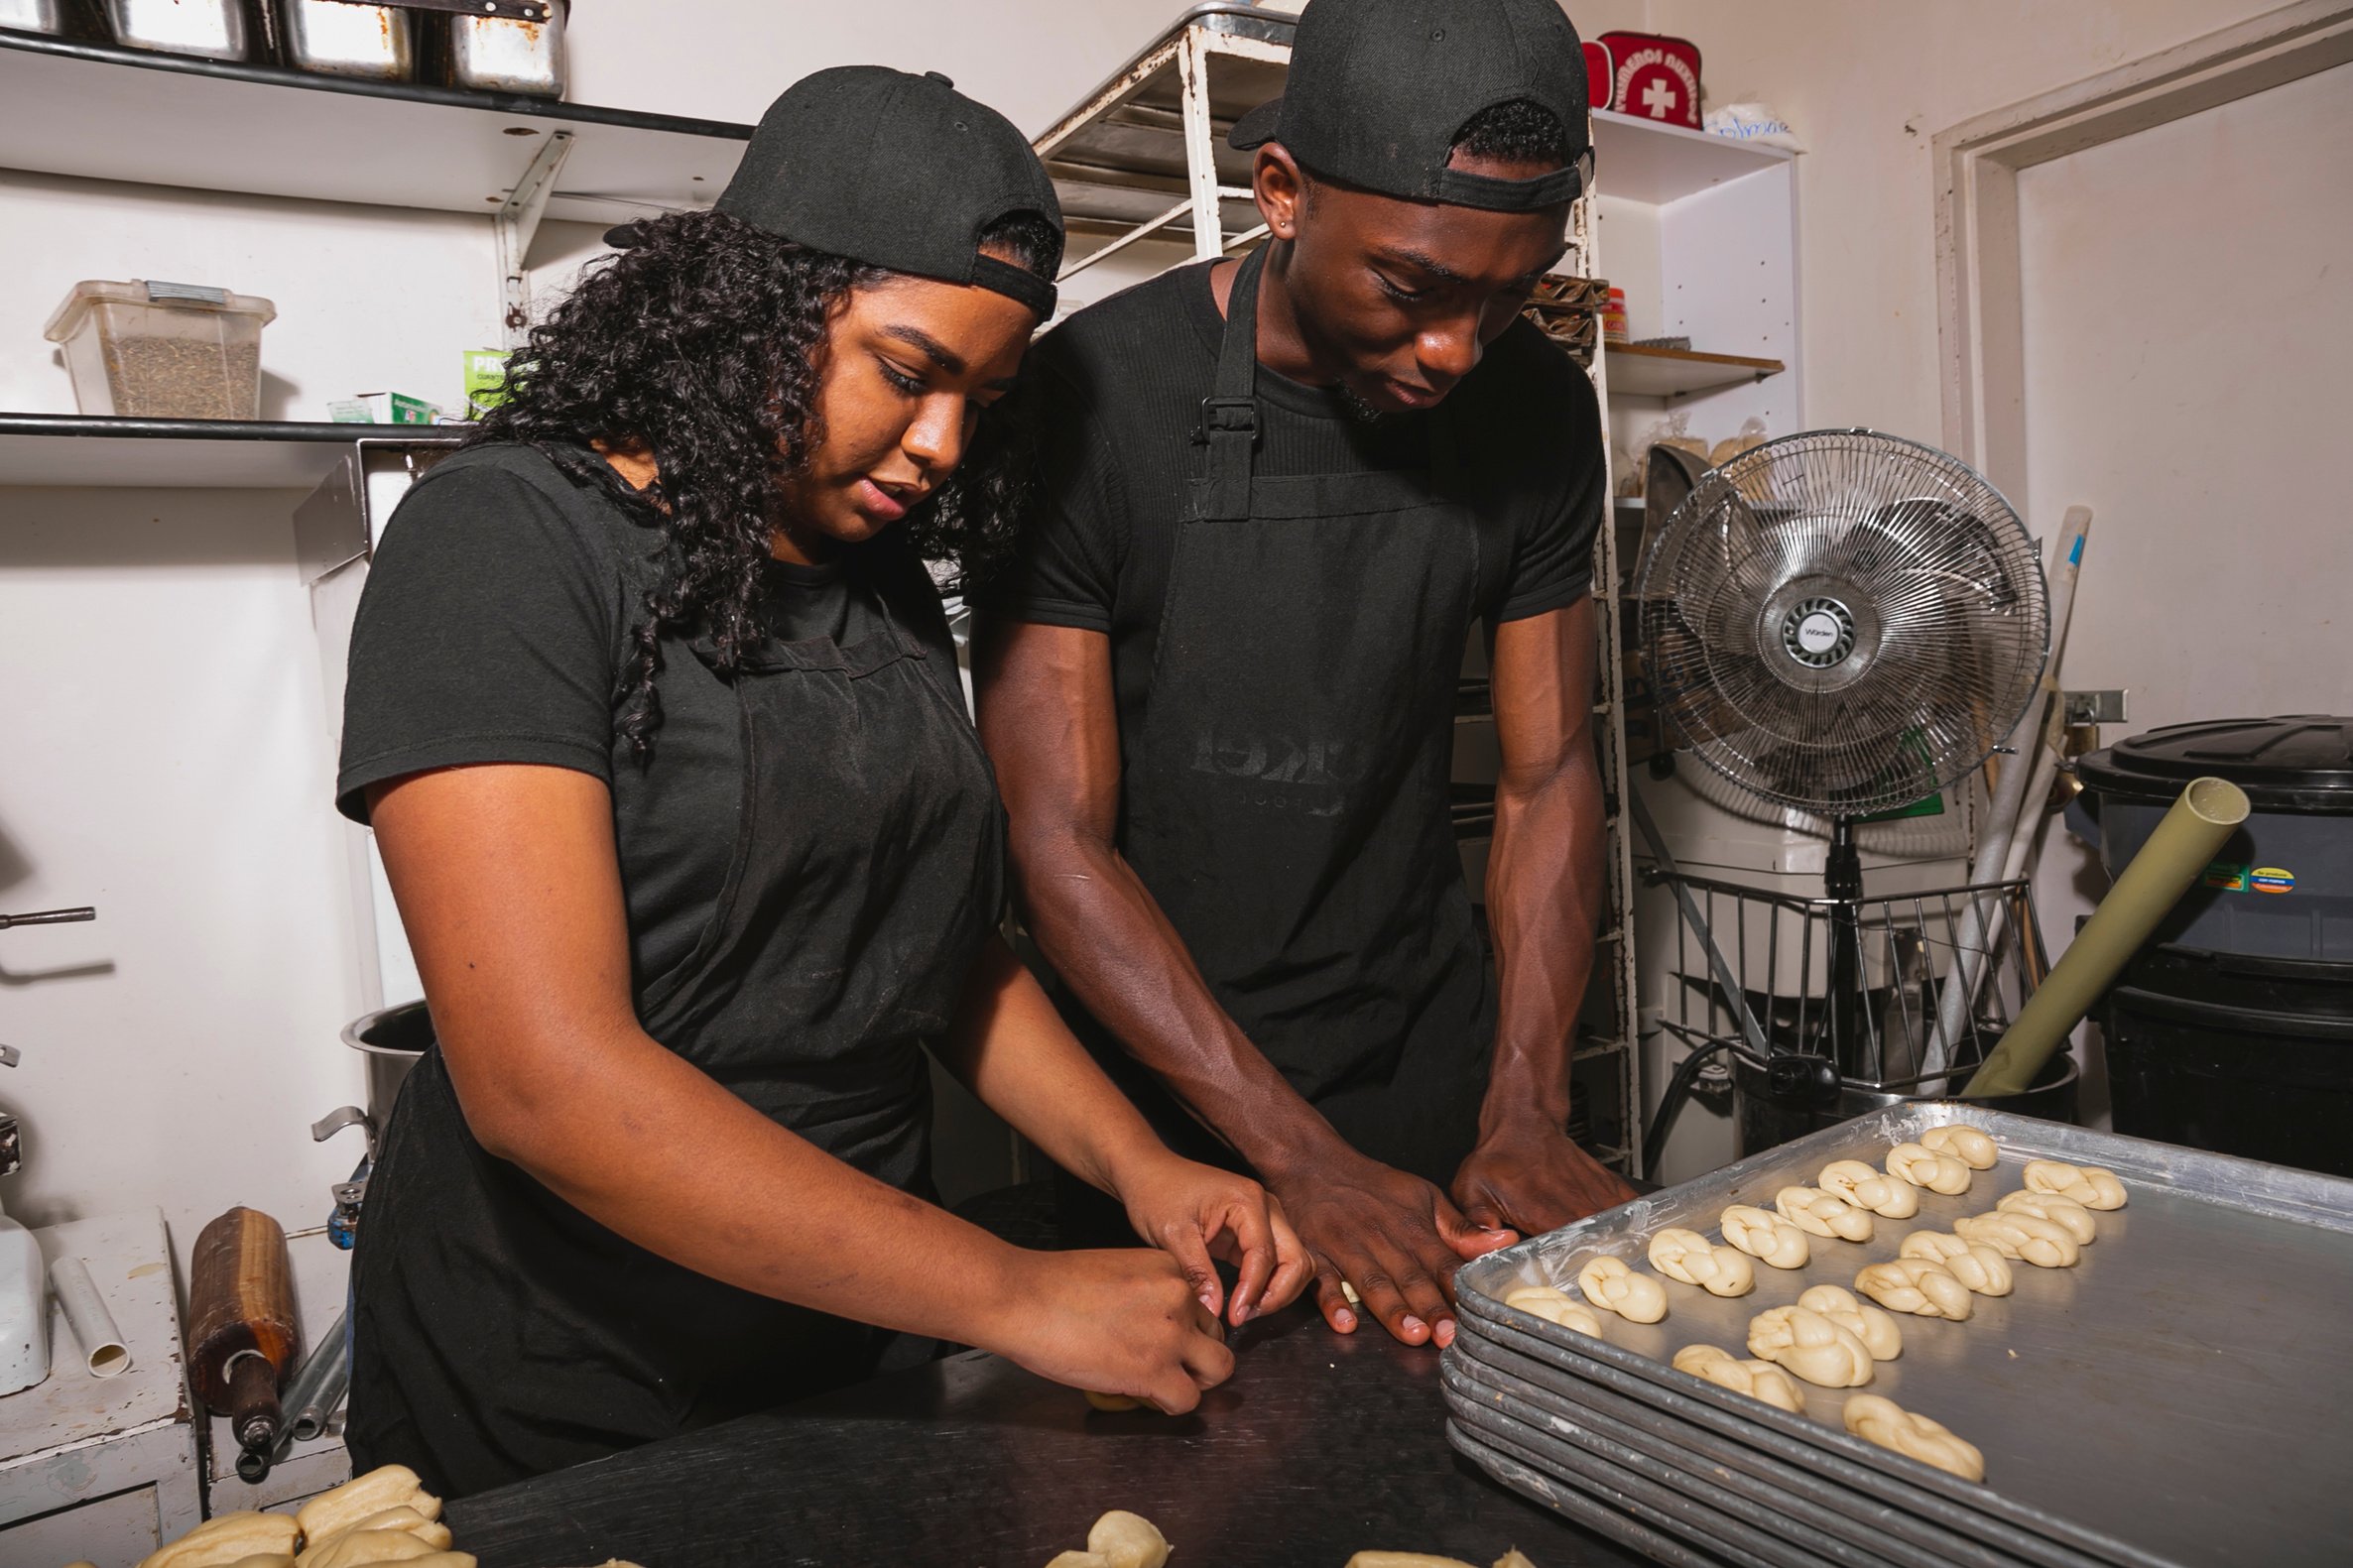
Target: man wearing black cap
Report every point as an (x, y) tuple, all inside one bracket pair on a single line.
[(1219, 687)]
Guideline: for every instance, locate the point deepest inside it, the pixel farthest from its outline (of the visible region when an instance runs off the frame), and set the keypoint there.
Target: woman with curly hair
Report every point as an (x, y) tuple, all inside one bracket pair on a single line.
[(655, 713)]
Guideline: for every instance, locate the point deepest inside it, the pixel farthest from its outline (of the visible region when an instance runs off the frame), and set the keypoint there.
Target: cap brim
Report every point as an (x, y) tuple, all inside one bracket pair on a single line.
[(621, 236), (1257, 128)]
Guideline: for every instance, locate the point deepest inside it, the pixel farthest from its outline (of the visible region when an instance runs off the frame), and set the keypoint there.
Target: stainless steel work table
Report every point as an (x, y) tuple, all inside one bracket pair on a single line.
[(1319, 1446)]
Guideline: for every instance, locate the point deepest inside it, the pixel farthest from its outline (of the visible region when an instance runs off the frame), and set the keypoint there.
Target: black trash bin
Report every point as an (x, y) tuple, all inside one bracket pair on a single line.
[(2233, 1030)]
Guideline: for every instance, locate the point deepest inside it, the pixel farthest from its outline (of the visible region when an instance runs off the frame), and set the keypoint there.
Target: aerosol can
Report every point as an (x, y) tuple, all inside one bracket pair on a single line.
[(24, 1295)]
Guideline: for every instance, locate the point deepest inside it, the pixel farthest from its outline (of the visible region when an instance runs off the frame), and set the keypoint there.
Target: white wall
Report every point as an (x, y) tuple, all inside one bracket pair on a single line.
[(168, 755)]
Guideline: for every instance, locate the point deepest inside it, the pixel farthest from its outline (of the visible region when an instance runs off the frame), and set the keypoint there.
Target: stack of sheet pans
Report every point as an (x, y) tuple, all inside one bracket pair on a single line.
[(2181, 1395)]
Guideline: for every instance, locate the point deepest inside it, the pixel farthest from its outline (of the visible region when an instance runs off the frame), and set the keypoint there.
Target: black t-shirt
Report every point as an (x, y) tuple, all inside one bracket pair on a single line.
[(1118, 391), (494, 628)]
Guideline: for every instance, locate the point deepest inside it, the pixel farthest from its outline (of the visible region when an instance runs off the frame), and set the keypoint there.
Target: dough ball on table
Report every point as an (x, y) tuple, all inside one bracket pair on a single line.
[(1609, 1285), (1758, 1379), (2088, 1185), (1866, 1188), (1127, 1540), (1809, 1345), (1406, 1560), (1114, 1403), (1765, 1236), (1889, 1425), (1965, 1143), (1692, 1259), (2065, 1213), (1922, 1167), (2021, 1236), (354, 1548), (1878, 1331), (1916, 1286), (1554, 1306), (1985, 1271), (1818, 1212)]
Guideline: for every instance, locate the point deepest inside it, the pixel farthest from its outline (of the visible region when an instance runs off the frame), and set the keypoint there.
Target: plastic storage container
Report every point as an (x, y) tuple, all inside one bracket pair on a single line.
[(162, 351), (2247, 1056), (2283, 884)]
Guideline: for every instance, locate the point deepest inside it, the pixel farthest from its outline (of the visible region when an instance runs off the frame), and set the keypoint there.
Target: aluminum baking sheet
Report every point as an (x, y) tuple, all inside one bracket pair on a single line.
[(1886, 1534), (2185, 1394), (1803, 1536), (1533, 1482)]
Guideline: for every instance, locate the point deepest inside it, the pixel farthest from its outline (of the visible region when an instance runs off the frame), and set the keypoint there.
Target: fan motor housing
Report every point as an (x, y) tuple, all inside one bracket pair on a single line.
[(1820, 634)]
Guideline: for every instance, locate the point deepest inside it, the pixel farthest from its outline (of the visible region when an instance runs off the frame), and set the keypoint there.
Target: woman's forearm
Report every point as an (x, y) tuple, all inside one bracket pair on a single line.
[(1010, 1047)]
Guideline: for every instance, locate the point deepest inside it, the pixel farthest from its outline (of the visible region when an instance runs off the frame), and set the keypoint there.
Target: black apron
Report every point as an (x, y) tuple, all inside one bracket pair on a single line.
[(501, 1333), (1286, 799)]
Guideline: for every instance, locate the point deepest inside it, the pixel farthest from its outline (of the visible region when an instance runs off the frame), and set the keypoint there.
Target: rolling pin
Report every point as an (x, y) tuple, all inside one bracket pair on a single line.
[(243, 1334)]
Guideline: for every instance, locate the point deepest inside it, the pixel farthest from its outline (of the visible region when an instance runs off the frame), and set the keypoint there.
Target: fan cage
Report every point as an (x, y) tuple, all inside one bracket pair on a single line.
[(1843, 622)]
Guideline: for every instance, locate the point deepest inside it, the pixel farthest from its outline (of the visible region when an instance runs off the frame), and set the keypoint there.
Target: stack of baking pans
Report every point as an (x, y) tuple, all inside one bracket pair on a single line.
[(2181, 1395)]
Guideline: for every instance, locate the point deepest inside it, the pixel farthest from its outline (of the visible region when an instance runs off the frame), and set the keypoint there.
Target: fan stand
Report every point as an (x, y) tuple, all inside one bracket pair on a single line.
[(1843, 1034)]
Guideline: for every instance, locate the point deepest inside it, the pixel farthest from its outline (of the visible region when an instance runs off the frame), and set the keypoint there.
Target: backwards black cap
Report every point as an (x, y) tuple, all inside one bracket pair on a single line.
[(895, 171), (1379, 90)]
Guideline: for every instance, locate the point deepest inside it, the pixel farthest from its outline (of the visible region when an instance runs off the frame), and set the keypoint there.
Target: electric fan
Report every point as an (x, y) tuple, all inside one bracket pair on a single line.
[(1844, 623)]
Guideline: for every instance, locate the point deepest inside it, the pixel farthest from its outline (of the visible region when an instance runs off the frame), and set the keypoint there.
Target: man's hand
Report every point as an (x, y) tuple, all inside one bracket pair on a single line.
[(1532, 1178), (1392, 1236)]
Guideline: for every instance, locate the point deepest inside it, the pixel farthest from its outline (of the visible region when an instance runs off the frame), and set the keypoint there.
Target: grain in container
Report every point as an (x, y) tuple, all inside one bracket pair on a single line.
[(162, 351)]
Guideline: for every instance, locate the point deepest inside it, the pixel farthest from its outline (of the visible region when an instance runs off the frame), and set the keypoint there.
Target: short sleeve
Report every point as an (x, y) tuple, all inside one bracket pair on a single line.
[(1553, 561), (1065, 562), (486, 634)]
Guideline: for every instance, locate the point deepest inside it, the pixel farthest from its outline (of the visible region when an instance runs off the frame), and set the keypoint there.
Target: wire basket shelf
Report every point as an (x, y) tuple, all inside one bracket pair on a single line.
[(1874, 1012)]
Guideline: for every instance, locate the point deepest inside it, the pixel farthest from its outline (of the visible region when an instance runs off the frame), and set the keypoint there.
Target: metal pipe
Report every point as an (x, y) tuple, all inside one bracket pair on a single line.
[(2010, 795), (313, 1415), (303, 1388), (102, 1347), (2182, 846)]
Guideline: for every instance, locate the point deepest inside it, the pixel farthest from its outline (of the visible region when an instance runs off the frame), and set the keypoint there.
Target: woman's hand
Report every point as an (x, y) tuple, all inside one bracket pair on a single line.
[(1126, 1321), (1196, 1213)]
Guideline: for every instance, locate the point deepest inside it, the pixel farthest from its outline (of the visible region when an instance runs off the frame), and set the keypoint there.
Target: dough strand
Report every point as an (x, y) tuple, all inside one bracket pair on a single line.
[(1555, 1305), (1818, 1212), (1964, 1142), (1758, 1379), (1857, 1183), (1878, 1331), (2088, 1185), (1768, 1237), (1918, 1285), (1983, 1269), (1922, 1167), (1692, 1259), (1809, 1345), (1887, 1423), (1612, 1286)]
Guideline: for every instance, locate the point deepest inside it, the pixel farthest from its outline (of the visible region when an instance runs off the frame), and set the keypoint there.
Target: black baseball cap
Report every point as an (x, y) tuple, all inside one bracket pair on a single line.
[(895, 171), (1379, 90)]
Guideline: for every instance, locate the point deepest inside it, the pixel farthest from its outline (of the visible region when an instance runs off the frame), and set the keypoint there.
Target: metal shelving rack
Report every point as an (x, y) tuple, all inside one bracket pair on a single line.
[(1144, 155)]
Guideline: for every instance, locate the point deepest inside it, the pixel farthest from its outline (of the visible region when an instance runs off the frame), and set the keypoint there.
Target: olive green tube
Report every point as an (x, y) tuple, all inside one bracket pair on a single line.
[(2182, 846)]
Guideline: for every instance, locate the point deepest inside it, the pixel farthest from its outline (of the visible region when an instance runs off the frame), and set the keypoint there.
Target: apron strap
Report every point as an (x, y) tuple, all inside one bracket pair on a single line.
[(1229, 414)]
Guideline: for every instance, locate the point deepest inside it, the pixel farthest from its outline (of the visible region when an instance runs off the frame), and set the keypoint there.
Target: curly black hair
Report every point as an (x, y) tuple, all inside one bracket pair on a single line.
[(700, 345), (1518, 131)]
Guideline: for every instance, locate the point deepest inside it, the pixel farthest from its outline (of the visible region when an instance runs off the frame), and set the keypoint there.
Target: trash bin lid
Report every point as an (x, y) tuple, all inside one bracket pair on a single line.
[(2303, 763)]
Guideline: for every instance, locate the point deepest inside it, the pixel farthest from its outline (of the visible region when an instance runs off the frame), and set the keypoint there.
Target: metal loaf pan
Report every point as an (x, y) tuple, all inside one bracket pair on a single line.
[(1689, 1503), (1880, 1532), (1508, 1462), (2192, 1374)]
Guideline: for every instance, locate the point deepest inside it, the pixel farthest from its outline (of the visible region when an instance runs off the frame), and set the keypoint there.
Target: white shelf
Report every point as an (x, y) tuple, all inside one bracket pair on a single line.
[(1636, 371), (100, 112), (1650, 162), (181, 454)]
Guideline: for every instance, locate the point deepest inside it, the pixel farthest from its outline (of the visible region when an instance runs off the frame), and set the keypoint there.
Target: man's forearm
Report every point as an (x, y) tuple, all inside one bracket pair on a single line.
[(1107, 938), (1545, 882)]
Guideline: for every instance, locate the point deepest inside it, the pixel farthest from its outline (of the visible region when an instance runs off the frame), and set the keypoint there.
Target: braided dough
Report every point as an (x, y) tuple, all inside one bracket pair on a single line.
[(1925, 1167), (1554, 1306), (1965, 1143), (1818, 1212), (1878, 1331), (1918, 1285), (2021, 1236), (1975, 1264), (1692, 1259), (2065, 1213), (2088, 1185), (1758, 1379), (1809, 1345), (1609, 1285), (1857, 1183), (1766, 1237), (1889, 1425)]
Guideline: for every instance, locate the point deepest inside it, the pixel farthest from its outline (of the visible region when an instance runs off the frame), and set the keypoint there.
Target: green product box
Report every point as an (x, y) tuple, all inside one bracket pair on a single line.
[(382, 408), (485, 373)]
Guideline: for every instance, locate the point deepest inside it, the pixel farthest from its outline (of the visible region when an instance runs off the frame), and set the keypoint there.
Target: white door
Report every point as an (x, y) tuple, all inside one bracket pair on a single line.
[(2187, 303)]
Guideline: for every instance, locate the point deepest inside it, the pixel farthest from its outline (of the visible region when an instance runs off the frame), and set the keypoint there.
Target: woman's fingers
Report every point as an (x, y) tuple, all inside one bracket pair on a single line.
[(1184, 1241)]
